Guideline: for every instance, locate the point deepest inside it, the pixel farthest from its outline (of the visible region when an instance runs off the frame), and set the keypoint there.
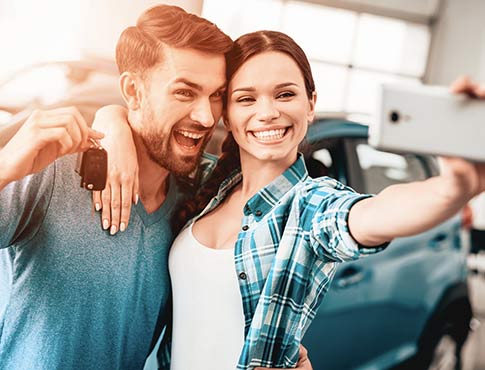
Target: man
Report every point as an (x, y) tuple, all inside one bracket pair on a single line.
[(71, 295)]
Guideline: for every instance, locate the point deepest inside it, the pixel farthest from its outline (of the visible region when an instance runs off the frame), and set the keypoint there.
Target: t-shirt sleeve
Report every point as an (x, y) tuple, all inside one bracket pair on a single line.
[(23, 205), (326, 208)]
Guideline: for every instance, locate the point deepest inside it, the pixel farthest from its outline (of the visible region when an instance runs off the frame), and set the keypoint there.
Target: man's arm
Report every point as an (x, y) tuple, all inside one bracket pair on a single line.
[(44, 137), (9, 131)]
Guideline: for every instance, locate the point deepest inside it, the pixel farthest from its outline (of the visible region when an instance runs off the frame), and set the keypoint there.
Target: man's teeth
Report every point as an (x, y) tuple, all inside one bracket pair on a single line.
[(189, 134), (270, 134)]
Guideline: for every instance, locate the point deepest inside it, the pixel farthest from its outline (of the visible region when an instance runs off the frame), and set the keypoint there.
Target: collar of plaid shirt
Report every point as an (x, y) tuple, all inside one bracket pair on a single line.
[(293, 233)]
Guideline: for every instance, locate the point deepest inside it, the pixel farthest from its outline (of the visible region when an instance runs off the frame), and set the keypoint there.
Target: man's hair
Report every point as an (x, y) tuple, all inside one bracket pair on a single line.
[(141, 47)]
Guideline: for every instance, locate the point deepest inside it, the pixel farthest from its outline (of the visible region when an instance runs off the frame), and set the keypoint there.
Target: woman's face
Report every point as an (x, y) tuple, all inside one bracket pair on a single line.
[(268, 109)]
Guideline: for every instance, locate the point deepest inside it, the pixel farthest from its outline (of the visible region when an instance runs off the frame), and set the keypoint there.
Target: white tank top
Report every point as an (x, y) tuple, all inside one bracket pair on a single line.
[(208, 318)]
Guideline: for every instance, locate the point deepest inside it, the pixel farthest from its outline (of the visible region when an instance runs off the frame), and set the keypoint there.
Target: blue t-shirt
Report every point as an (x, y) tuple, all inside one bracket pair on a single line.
[(71, 295)]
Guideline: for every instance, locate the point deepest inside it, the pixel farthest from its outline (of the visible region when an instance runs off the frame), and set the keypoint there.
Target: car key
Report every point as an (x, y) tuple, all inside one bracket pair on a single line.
[(93, 168)]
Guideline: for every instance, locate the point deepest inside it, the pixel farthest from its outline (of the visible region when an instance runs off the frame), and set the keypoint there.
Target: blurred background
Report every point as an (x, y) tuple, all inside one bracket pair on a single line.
[(58, 52), (352, 44)]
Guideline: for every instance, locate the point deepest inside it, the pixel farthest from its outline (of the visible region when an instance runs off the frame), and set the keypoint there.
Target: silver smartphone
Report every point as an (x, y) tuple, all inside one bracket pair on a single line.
[(428, 120)]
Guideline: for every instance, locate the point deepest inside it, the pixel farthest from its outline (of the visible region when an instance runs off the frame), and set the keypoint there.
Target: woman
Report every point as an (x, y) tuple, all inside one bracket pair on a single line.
[(251, 270)]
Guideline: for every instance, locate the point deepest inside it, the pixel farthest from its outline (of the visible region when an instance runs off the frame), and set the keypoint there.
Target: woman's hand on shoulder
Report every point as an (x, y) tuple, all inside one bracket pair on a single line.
[(303, 361), (121, 189)]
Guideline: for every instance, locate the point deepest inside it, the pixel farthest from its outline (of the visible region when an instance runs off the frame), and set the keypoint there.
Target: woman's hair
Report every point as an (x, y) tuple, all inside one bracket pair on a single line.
[(242, 50)]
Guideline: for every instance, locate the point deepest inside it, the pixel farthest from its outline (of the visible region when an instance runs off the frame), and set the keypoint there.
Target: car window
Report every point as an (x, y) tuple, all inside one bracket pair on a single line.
[(319, 163), (319, 157), (381, 169)]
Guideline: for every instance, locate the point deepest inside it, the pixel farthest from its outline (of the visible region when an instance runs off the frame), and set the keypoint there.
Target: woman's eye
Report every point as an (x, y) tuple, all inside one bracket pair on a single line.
[(184, 93), (245, 99), (285, 95)]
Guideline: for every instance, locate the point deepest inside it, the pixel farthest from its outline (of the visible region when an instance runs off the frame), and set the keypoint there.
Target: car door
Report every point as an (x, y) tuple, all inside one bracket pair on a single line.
[(377, 307)]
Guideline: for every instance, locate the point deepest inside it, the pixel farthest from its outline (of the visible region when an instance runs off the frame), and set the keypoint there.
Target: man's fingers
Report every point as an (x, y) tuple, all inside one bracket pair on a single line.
[(66, 122), (96, 135)]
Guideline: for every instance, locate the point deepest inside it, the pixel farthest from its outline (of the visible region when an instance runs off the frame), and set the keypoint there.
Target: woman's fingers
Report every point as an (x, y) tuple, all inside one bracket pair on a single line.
[(136, 189), (127, 185), (115, 208), (106, 207), (97, 200), (464, 85)]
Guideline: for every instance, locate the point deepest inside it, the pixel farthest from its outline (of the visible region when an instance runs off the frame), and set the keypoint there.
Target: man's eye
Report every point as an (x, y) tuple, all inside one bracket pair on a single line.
[(217, 95)]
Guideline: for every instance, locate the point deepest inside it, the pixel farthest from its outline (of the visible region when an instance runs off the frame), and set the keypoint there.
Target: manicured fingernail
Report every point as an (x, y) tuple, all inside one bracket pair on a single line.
[(136, 198), (97, 206), (105, 224), (113, 230), (122, 226)]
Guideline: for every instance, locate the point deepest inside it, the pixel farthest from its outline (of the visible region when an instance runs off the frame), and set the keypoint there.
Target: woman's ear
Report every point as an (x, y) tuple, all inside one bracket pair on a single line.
[(130, 90), (311, 111)]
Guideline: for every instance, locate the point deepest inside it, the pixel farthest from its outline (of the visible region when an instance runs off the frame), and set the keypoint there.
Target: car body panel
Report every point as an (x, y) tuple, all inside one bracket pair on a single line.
[(378, 307)]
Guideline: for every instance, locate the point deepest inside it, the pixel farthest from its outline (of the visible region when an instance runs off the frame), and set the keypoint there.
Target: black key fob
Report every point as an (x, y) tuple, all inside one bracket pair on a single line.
[(94, 169)]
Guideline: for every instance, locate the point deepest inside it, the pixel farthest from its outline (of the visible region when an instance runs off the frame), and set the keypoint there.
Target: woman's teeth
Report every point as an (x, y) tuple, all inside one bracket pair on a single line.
[(270, 135)]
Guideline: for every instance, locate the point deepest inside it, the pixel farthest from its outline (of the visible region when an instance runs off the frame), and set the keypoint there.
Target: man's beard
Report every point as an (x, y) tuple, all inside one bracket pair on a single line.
[(159, 149), (158, 145)]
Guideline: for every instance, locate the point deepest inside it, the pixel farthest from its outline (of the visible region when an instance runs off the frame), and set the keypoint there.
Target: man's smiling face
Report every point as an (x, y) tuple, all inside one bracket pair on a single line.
[(180, 103)]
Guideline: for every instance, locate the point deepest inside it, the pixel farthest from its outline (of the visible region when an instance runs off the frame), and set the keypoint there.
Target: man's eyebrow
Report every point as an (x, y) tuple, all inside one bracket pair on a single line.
[(222, 87), (188, 83), (195, 85), (279, 86)]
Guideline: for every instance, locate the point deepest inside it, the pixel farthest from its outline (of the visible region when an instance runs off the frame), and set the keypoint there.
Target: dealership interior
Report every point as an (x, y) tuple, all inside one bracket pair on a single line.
[(420, 304)]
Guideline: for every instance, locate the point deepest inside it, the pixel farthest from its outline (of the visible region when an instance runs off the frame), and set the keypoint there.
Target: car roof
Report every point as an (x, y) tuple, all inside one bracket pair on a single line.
[(326, 128)]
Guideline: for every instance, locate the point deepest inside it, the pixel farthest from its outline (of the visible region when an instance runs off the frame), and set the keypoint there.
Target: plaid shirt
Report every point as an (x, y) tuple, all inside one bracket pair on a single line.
[(294, 232)]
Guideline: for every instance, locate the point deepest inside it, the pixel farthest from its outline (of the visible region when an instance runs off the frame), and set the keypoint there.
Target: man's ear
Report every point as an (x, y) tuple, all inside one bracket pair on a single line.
[(130, 87), (311, 111)]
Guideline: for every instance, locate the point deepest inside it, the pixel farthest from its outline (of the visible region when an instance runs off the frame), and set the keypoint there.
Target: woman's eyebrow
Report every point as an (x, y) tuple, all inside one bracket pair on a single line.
[(279, 86)]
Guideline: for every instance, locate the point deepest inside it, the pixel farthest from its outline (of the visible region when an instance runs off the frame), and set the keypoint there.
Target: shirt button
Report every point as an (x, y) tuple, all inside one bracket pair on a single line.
[(245, 227), (243, 276), (258, 213)]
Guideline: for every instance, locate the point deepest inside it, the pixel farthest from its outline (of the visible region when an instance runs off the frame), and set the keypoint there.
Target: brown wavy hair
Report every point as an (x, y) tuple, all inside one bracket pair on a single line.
[(244, 48), (141, 47)]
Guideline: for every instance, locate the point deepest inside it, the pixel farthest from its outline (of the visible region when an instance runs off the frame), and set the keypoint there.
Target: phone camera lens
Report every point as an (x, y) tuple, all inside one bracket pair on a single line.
[(394, 116)]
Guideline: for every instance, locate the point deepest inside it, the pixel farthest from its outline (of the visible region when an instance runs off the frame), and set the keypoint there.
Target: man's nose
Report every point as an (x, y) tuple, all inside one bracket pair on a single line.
[(267, 110), (202, 113)]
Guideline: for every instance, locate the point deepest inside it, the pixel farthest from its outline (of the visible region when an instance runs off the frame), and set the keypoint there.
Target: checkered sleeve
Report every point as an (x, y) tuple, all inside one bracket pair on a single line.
[(326, 204)]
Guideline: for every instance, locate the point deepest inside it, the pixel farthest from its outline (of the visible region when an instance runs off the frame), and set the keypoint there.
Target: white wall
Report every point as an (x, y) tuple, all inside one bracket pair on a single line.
[(33, 31), (458, 46), (413, 10), (103, 21)]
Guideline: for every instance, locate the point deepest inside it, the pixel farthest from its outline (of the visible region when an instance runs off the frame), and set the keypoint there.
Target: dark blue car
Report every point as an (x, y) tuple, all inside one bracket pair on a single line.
[(407, 307)]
